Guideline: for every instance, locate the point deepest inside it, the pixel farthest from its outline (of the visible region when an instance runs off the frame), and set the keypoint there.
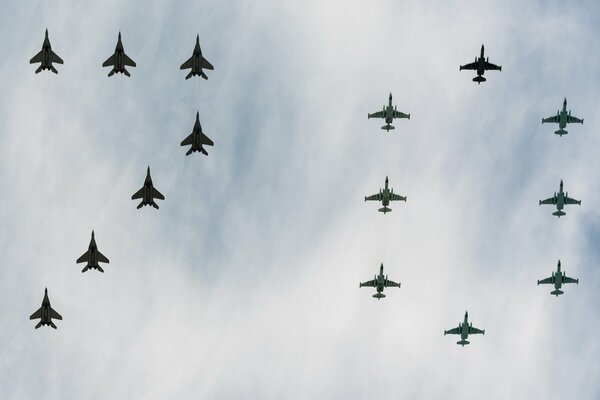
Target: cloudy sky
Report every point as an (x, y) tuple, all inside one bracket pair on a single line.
[(244, 285)]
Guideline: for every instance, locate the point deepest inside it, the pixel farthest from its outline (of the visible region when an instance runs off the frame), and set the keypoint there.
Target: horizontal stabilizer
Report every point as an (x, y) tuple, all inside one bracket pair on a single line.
[(189, 75), (556, 292), (379, 296), (385, 210), (388, 127), (560, 132), (478, 79), (463, 342), (202, 74), (559, 213)]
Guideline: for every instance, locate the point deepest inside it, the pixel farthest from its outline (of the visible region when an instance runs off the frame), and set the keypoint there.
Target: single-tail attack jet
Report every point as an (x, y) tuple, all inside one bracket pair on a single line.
[(197, 139), (464, 329), (119, 60), (45, 313), (557, 279), (380, 282), (560, 199), (196, 62), (46, 57), (148, 193), (562, 118), (92, 257), (481, 65), (389, 112), (386, 195)]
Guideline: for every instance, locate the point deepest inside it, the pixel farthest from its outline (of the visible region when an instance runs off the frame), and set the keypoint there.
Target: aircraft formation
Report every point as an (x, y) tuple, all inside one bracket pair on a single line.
[(197, 139)]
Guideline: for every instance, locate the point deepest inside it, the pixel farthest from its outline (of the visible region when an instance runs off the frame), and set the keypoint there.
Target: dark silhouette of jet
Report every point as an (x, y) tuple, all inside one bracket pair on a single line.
[(45, 313), (197, 138), (92, 257), (148, 193), (481, 65), (196, 62), (46, 57), (119, 60)]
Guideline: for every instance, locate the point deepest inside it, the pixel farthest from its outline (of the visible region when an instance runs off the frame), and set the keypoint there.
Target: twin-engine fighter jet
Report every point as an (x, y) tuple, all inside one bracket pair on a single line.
[(464, 329), (92, 257), (196, 62), (385, 196), (197, 138), (45, 313), (380, 282), (148, 193), (119, 60), (389, 112), (558, 278), (562, 118), (560, 199), (481, 65), (46, 57)]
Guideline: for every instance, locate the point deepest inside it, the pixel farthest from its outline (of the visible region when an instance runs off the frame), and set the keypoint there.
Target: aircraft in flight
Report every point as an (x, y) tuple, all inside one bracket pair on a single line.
[(558, 278), (46, 57), (389, 112), (481, 65), (562, 118), (380, 282), (45, 313), (197, 139), (464, 329), (560, 199), (148, 193), (196, 62), (92, 257), (119, 60), (385, 196)]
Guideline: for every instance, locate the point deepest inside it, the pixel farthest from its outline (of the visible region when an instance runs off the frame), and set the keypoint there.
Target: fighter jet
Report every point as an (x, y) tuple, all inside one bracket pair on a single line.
[(389, 112), (558, 278), (46, 57), (197, 138), (481, 65), (147, 193), (196, 62), (560, 199), (45, 313), (92, 257), (385, 196), (464, 329), (119, 60), (380, 282), (562, 118)]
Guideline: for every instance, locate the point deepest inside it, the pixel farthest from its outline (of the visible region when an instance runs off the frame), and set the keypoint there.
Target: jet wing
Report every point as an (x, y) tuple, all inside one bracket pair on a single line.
[(389, 283), (569, 200), (206, 140), (369, 283), (37, 314), (206, 64), (38, 58), (567, 279), (138, 195), (110, 61), (188, 140), (469, 66), (397, 197), (454, 331), (551, 200), (128, 61), (84, 257), (376, 197), (188, 64), (491, 66), (571, 119), (53, 314), (101, 257), (156, 194), (555, 119), (378, 114), (398, 114), (549, 280), (55, 58), (474, 331)]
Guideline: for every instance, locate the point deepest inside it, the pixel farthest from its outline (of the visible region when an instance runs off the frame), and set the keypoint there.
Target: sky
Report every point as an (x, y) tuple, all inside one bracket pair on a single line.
[(245, 284)]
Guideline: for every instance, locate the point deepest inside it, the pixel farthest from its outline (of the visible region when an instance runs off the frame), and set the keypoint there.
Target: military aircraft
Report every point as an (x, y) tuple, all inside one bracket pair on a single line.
[(196, 62), (46, 57), (119, 60), (147, 193), (197, 138), (45, 313), (389, 112), (560, 199), (562, 118), (558, 278), (92, 257), (481, 65), (464, 329), (380, 282), (385, 196)]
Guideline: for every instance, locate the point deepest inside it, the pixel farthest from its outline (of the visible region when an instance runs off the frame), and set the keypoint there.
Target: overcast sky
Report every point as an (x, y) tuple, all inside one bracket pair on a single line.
[(245, 284)]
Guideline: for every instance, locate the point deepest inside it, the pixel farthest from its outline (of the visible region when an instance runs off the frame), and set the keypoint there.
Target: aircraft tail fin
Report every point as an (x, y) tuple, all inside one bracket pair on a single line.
[(463, 342), (86, 268), (479, 79), (38, 325), (203, 150), (388, 127), (385, 210), (189, 75), (560, 132), (52, 324), (202, 74), (37, 71), (154, 204), (126, 72), (559, 213), (189, 152), (140, 205), (556, 292), (112, 72), (53, 69), (379, 296), (99, 268)]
